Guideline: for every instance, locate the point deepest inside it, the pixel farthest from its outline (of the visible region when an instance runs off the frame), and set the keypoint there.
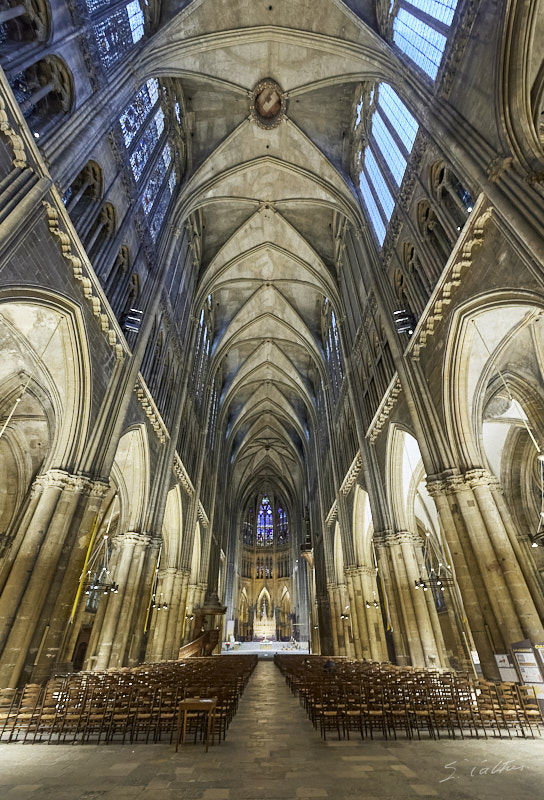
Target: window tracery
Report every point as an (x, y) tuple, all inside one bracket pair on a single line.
[(386, 132), (333, 356), (117, 33), (420, 29), (202, 352), (265, 523)]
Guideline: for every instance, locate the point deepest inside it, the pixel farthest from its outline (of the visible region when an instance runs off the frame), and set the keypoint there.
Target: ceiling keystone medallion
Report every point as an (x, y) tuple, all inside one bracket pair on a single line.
[(268, 104)]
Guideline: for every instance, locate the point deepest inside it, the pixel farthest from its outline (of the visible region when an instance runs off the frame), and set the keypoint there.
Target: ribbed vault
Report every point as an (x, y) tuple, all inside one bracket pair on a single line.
[(268, 200)]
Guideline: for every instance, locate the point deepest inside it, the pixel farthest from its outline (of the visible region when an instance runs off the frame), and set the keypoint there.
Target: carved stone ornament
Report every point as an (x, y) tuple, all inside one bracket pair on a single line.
[(268, 104)]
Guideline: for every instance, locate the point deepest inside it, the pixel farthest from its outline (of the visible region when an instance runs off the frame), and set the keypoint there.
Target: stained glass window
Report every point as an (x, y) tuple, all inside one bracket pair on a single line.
[(378, 181), (212, 422), (160, 214), (134, 115), (118, 33), (157, 177), (333, 353), (247, 529), (283, 527), (420, 30), (146, 145), (96, 5), (392, 135), (265, 523), (372, 208)]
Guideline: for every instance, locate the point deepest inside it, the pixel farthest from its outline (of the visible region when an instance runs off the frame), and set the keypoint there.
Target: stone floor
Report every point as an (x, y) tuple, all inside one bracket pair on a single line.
[(272, 751)]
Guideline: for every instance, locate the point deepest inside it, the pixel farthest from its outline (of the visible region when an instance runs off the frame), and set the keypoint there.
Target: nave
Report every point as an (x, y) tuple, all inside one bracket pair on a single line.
[(272, 752)]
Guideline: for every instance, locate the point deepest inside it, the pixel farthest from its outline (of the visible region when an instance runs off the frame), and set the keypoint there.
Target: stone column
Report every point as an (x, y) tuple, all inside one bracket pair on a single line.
[(11, 550), (385, 559), (128, 614), (42, 547), (125, 545), (374, 621), (479, 614), (408, 543), (335, 619), (159, 621), (522, 611), (346, 610), (360, 632), (171, 645), (188, 634), (406, 596), (180, 623), (523, 551), (48, 489), (63, 630), (433, 615), (508, 628), (326, 637), (137, 651)]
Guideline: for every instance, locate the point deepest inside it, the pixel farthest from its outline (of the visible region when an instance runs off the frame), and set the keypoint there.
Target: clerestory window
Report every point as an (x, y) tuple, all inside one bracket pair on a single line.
[(421, 28), (391, 135), (118, 32)]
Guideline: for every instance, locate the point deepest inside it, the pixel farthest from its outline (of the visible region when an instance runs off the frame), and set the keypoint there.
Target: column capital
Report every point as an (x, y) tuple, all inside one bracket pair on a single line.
[(135, 538), (447, 483), (480, 477), (53, 478), (381, 537), (368, 571), (403, 537)]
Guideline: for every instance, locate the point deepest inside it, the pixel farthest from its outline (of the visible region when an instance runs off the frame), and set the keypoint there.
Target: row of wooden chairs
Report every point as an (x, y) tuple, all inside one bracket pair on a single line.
[(369, 698), (126, 705)]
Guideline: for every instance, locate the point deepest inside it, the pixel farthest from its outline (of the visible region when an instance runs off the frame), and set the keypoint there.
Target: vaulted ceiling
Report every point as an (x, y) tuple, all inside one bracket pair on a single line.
[(269, 189)]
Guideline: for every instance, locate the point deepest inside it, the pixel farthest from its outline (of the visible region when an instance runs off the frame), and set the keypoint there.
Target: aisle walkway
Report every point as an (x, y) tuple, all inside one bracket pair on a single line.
[(273, 753)]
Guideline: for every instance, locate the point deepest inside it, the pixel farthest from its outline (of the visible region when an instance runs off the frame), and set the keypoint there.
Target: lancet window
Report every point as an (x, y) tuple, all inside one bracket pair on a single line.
[(142, 125), (283, 527), (212, 420), (420, 29), (333, 354), (202, 353), (265, 523), (118, 32), (390, 130)]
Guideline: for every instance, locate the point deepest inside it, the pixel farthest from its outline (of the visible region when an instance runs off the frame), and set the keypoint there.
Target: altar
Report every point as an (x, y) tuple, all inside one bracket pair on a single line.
[(264, 628)]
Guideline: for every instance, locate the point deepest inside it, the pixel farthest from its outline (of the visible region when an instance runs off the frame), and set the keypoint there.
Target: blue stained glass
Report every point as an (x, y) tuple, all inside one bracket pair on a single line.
[(375, 175), (132, 118), (420, 42), (147, 144), (265, 525), (136, 20), (117, 34), (172, 182), (96, 5), (399, 116), (442, 10), (389, 149), (159, 215), (177, 108), (372, 208), (156, 180)]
